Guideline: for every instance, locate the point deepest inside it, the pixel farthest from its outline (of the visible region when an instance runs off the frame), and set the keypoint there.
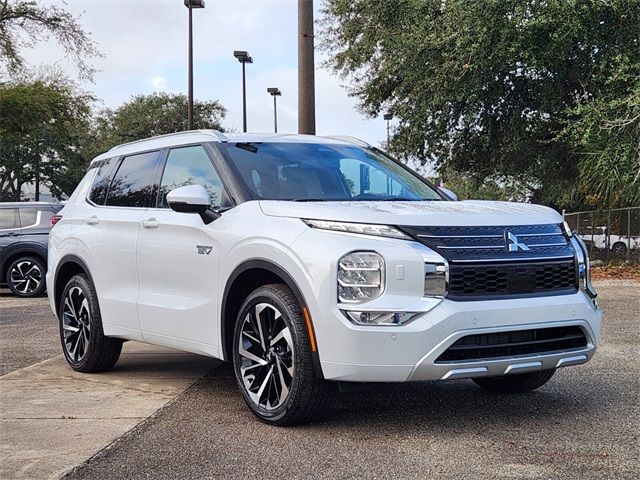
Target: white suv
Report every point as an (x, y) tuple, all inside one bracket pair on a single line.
[(308, 261)]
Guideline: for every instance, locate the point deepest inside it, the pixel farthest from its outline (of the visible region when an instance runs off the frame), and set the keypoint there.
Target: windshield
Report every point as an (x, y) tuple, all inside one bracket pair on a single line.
[(317, 172)]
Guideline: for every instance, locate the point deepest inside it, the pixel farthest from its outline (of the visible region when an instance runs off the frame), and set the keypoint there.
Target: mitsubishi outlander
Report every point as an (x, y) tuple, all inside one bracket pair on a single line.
[(307, 261)]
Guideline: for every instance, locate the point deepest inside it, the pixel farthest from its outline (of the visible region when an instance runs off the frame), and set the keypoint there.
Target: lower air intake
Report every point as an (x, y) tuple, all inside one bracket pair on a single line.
[(518, 342)]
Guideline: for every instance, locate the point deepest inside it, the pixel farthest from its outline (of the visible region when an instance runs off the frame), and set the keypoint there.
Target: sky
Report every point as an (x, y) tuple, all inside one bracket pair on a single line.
[(144, 43)]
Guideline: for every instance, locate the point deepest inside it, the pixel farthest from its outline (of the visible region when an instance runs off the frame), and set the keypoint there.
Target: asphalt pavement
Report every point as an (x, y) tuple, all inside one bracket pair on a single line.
[(585, 423), (28, 331)]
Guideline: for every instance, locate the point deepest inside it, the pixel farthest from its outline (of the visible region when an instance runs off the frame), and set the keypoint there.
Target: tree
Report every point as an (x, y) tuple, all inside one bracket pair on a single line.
[(487, 88), (469, 187), (42, 123), (606, 134), (24, 23), (155, 114)]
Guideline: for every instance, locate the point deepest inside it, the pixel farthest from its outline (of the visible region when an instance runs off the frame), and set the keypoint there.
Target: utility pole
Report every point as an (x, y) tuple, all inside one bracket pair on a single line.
[(306, 69)]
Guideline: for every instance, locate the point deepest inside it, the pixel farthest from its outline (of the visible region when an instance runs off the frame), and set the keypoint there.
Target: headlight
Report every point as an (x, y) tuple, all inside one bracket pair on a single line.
[(584, 269), (360, 277), (436, 279), (361, 228), (380, 318)]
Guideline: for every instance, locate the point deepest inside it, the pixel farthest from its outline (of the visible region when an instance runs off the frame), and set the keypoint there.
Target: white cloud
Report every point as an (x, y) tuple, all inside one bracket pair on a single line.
[(158, 83)]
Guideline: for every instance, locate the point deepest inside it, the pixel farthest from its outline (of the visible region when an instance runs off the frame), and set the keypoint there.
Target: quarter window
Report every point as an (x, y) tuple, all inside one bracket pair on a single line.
[(28, 217), (98, 193), (190, 166), (133, 184), (7, 218)]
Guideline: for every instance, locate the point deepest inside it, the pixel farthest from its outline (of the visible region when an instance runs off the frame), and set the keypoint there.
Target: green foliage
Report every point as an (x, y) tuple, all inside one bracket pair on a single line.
[(468, 187), (23, 23), (42, 123), (487, 88), (155, 114), (606, 134)]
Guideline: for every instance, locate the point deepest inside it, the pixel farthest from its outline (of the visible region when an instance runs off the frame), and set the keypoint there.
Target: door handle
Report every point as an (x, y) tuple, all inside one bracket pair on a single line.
[(150, 223), (92, 220)]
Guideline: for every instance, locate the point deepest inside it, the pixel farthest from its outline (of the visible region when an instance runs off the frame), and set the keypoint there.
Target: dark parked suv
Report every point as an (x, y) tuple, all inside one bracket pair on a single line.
[(24, 233)]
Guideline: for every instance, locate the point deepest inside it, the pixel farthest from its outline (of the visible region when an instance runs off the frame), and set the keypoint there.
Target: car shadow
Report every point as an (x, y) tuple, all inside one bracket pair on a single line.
[(450, 405)]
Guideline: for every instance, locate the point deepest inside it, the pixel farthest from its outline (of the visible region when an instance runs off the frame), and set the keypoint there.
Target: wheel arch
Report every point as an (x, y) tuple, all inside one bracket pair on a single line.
[(246, 277), (67, 267), (22, 250), (619, 242)]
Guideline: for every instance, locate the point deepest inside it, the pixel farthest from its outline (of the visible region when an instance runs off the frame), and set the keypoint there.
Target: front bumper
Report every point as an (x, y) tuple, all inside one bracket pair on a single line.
[(408, 353)]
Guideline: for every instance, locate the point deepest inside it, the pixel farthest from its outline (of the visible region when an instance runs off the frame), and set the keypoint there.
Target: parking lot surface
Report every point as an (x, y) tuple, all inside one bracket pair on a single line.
[(28, 331), (585, 423)]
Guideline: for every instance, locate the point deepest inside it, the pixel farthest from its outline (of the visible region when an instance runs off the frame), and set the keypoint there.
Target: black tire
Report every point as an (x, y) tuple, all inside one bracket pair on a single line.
[(619, 248), (30, 270), (307, 394), (518, 383), (100, 353)]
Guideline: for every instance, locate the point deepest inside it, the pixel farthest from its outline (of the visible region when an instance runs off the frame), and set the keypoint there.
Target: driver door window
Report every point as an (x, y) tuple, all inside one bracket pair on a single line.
[(190, 166)]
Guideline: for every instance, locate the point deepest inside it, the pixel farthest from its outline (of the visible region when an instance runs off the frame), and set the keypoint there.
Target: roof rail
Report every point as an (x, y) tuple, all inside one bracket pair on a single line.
[(214, 133), (352, 140)]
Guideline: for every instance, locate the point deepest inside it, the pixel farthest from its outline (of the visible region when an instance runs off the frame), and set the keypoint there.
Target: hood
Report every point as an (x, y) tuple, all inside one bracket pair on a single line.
[(434, 213)]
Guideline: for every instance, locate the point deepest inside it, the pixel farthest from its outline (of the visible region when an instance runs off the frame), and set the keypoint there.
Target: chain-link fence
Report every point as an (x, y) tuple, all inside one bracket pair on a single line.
[(609, 234)]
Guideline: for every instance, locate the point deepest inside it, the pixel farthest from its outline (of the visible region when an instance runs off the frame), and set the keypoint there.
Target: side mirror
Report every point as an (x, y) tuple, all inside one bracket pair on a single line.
[(192, 199), (448, 193)]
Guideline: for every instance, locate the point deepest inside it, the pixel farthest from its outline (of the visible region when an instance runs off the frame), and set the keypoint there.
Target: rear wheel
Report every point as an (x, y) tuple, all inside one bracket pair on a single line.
[(518, 383), (83, 342), (619, 249), (273, 360), (25, 277)]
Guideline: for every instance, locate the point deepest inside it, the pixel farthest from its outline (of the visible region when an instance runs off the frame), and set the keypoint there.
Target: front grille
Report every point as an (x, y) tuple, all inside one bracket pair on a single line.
[(511, 279), (518, 342), (481, 264), (488, 244)]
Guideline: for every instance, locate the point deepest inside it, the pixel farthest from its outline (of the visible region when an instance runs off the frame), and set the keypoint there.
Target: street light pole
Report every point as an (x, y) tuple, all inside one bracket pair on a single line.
[(191, 4), (388, 117), (244, 58), (275, 93), (306, 69)]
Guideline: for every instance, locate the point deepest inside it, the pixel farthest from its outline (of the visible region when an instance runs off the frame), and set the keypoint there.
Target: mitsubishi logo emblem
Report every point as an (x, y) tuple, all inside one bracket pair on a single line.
[(513, 244)]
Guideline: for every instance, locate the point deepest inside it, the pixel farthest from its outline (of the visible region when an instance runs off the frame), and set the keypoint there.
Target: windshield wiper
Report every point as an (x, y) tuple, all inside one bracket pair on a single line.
[(397, 199), (382, 199), (310, 199)]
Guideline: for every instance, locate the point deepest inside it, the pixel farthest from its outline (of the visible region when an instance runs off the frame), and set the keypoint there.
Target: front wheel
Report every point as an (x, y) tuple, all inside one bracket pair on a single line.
[(518, 383), (273, 360)]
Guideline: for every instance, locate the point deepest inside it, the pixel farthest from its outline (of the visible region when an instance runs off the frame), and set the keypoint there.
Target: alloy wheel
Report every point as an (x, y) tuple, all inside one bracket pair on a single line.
[(266, 353), (76, 325), (26, 277)]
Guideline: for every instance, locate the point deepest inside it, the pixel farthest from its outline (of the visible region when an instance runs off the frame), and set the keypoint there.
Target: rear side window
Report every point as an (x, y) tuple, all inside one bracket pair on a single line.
[(8, 218), (98, 193), (28, 217), (133, 184)]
